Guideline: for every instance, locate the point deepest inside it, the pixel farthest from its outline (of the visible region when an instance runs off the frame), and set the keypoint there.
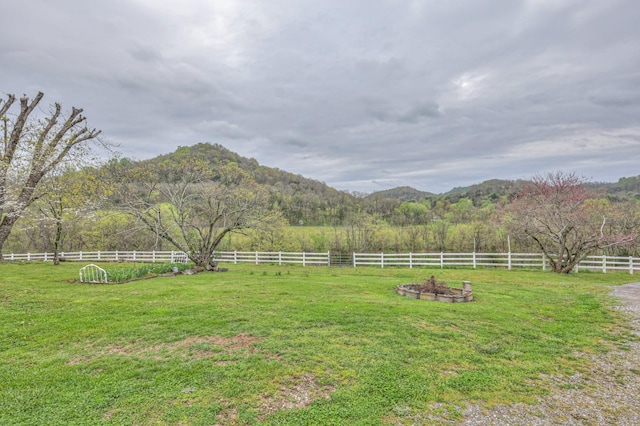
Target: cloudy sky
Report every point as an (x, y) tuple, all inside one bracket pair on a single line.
[(364, 95)]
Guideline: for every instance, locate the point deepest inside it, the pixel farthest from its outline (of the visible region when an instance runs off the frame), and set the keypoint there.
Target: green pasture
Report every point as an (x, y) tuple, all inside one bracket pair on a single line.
[(289, 345)]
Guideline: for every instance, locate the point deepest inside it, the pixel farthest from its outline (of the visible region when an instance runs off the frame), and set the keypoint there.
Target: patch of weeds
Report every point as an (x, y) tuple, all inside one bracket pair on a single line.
[(120, 275), (490, 349)]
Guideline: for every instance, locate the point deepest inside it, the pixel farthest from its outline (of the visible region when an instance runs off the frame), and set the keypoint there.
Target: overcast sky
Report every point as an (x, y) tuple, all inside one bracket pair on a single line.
[(364, 95)]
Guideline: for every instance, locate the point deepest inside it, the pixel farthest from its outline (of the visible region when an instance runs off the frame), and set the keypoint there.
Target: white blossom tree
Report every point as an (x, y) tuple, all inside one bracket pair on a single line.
[(31, 149)]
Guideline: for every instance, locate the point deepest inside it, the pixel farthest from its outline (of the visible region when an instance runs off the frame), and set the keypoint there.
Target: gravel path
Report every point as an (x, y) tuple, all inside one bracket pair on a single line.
[(609, 394)]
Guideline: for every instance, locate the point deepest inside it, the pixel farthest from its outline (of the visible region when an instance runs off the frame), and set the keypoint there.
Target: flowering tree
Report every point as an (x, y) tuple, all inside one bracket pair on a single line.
[(557, 211), (31, 149)]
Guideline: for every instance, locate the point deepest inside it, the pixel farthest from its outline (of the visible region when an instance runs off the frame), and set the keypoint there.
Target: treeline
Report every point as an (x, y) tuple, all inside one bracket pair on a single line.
[(305, 215)]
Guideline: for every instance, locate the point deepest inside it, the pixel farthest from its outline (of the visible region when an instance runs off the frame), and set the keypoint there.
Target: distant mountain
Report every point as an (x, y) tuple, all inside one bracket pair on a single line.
[(295, 192), (301, 200), (627, 188), (491, 190), (402, 194), (279, 179)]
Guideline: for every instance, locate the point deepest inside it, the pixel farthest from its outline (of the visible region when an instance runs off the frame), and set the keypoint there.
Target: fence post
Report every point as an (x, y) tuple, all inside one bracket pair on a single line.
[(441, 260), (604, 263), (45, 256), (235, 257), (153, 256), (256, 258), (304, 259), (353, 254), (410, 260), (279, 258), (631, 265), (474, 257), (509, 260), (328, 258)]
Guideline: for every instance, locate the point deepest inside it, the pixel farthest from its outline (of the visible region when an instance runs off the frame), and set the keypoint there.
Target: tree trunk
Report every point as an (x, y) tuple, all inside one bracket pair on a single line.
[(5, 229), (56, 243)]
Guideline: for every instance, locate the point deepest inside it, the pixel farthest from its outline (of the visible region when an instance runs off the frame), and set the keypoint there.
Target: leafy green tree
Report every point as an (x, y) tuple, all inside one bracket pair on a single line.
[(69, 197), (411, 213)]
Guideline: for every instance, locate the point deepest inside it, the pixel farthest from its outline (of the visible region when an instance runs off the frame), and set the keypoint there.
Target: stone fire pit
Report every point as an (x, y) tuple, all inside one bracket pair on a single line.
[(437, 291)]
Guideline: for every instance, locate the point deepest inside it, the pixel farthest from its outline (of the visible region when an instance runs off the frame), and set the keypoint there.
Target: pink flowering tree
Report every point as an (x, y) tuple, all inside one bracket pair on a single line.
[(559, 213)]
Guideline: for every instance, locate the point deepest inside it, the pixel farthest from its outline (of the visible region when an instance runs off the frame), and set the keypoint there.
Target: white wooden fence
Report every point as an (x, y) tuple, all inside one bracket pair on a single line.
[(104, 256), (382, 260), (278, 257), (491, 260)]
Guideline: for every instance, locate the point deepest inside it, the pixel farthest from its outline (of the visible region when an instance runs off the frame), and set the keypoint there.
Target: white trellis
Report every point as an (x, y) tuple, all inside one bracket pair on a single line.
[(93, 274)]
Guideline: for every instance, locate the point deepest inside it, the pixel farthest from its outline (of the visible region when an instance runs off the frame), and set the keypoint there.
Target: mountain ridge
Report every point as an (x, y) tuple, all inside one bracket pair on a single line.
[(291, 184)]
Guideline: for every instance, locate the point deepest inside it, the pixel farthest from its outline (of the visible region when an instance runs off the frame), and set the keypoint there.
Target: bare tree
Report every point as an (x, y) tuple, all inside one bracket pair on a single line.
[(193, 205), (31, 149), (558, 213)]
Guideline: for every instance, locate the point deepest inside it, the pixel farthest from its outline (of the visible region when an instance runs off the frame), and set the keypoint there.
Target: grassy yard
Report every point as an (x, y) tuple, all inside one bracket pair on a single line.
[(288, 345)]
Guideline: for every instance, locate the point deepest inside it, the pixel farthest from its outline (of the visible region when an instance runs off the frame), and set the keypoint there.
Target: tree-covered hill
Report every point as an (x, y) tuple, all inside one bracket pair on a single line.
[(309, 201), (403, 193)]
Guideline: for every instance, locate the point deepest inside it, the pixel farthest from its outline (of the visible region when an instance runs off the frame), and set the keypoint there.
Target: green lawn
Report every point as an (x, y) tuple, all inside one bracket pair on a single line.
[(288, 345)]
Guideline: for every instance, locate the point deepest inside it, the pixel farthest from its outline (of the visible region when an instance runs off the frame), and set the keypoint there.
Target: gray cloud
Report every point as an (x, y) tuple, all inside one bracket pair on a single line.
[(363, 95)]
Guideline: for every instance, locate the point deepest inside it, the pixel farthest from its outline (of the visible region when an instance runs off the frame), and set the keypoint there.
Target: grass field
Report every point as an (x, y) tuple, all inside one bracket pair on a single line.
[(288, 345)]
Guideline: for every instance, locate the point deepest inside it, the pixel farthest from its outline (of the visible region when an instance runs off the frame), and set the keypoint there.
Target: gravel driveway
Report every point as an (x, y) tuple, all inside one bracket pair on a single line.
[(609, 394)]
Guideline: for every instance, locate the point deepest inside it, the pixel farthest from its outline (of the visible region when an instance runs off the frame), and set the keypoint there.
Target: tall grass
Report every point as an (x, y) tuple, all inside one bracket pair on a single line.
[(289, 345), (123, 273)]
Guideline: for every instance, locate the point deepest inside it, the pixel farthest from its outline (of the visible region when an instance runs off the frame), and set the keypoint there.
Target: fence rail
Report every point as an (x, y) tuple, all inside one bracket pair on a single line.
[(103, 256), (439, 260)]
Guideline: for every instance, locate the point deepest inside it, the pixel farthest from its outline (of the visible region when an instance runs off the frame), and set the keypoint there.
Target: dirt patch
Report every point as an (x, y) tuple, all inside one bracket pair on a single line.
[(296, 393), (300, 393), (194, 347)]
